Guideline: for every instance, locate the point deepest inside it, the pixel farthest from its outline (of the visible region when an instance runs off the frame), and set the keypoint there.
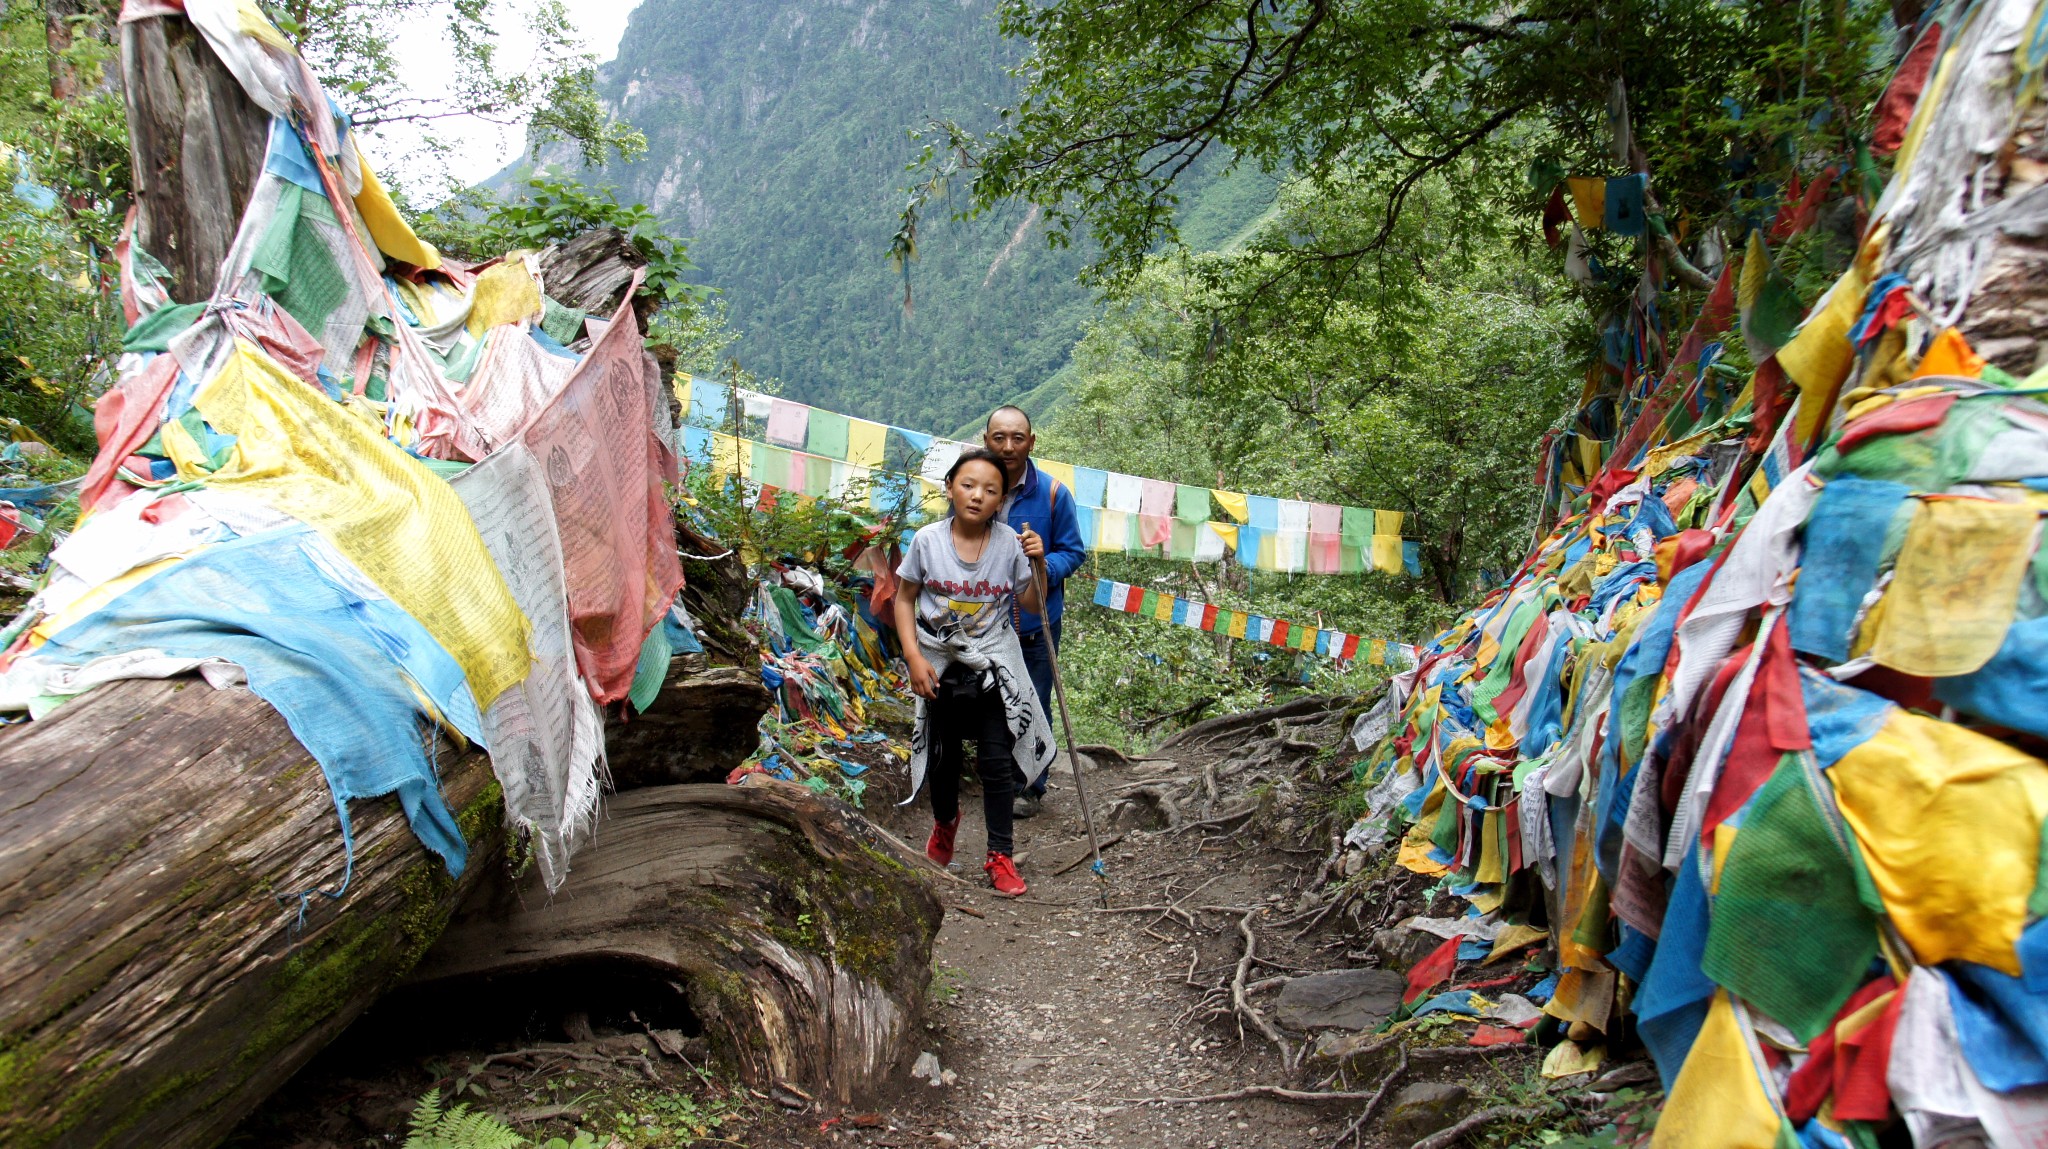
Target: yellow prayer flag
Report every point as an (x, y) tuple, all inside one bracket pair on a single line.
[(1756, 267), (1163, 610), (1238, 619), (1950, 354), (1234, 504), (1386, 552), (1589, 200), (1718, 1100), (1064, 472), (680, 384), (392, 235), (1819, 357), (1956, 585), (865, 442), (1388, 522), (504, 293), (399, 523), (1378, 657), (1950, 825), (1228, 533)]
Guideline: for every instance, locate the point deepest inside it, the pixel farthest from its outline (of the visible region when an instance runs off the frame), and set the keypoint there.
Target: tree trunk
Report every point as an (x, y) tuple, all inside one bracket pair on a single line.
[(195, 142), (156, 978), (802, 933)]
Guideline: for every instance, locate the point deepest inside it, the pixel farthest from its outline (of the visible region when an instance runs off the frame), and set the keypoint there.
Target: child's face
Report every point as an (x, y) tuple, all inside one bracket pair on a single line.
[(976, 491)]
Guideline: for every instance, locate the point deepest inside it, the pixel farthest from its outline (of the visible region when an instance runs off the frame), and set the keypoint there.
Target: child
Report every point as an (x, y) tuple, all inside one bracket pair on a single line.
[(963, 578)]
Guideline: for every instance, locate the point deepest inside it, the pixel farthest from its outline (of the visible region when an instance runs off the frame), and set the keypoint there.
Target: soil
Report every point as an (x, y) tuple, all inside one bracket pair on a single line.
[(1056, 1022)]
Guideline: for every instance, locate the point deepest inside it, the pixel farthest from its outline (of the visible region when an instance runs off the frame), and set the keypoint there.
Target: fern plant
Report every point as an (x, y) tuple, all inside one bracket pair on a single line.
[(433, 1127)]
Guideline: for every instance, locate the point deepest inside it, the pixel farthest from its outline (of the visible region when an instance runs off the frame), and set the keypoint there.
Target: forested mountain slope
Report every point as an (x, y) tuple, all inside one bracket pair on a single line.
[(777, 137)]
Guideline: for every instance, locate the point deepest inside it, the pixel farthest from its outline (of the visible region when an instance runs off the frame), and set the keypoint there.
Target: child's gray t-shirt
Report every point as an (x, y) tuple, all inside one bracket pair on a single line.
[(973, 597)]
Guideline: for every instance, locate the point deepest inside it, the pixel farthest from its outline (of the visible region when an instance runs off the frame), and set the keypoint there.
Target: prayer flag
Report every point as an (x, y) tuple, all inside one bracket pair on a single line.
[(1209, 613), (1233, 504), (1124, 493), (865, 442), (1239, 624), (1589, 200), (787, 423), (828, 434), (1162, 607), (1064, 472), (1191, 504), (1090, 485), (1103, 589)]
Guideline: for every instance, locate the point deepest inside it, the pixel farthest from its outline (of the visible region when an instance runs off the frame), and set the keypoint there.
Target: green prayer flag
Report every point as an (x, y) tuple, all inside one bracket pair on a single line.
[(1181, 544), (562, 323), (817, 476), (1357, 527), (827, 434), (298, 268), (153, 332), (1149, 603), (1191, 504)]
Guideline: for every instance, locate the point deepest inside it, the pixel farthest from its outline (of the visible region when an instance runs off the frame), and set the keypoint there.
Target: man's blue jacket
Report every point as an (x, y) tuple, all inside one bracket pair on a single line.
[(1046, 505)]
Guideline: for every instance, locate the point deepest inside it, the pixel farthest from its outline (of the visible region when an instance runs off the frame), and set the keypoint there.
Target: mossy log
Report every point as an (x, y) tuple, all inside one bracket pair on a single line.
[(157, 979), (802, 933)]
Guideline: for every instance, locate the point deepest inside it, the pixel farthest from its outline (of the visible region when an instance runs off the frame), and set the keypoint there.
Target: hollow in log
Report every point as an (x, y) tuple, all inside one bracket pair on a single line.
[(802, 933)]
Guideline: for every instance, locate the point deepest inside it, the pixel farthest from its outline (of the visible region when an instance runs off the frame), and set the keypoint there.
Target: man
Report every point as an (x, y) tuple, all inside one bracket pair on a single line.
[(1043, 503)]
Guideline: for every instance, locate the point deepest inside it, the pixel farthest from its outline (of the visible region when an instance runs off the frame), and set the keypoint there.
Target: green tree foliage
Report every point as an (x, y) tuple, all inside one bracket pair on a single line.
[(63, 186), (1123, 100), (352, 47), (1425, 394), (777, 140)]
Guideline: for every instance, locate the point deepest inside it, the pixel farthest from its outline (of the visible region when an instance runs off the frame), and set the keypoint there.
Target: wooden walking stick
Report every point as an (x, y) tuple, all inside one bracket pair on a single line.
[(1059, 693)]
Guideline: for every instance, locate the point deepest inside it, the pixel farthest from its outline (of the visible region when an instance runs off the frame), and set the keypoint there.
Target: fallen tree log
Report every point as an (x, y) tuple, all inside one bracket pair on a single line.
[(801, 933), (696, 730), (157, 978)]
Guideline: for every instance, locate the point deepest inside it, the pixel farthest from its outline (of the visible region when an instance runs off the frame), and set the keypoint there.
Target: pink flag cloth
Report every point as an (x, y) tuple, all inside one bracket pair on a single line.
[(1154, 530), (788, 424), (1155, 499), (1325, 555), (124, 419), (605, 466), (1325, 518)]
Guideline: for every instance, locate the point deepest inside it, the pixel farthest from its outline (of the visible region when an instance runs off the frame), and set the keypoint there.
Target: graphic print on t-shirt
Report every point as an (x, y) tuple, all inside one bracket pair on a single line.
[(969, 597)]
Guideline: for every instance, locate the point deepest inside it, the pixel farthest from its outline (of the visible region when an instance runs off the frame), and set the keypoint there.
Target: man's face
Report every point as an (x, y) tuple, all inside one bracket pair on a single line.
[(1010, 437)]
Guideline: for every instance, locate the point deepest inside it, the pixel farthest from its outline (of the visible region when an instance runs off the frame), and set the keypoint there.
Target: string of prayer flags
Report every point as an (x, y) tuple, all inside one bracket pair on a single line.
[(1280, 632), (822, 453)]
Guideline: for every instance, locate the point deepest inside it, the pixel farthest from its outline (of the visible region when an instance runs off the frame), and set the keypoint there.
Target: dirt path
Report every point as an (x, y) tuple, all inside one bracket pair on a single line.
[(1054, 1018), (1055, 1023)]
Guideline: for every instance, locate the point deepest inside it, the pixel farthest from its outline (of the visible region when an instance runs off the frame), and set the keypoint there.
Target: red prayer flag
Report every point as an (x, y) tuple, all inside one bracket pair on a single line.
[(1209, 616), (1432, 970), (1279, 632)]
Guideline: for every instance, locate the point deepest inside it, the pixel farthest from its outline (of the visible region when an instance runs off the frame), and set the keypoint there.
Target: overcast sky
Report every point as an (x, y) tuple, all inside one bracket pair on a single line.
[(484, 148)]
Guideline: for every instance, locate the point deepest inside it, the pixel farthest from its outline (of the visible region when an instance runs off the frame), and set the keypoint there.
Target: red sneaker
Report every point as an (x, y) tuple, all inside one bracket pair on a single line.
[(1002, 874), (939, 847)]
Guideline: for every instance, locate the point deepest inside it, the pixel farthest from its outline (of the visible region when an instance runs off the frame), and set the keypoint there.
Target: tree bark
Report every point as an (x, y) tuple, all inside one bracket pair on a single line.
[(195, 142), (156, 979), (801, 931)]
